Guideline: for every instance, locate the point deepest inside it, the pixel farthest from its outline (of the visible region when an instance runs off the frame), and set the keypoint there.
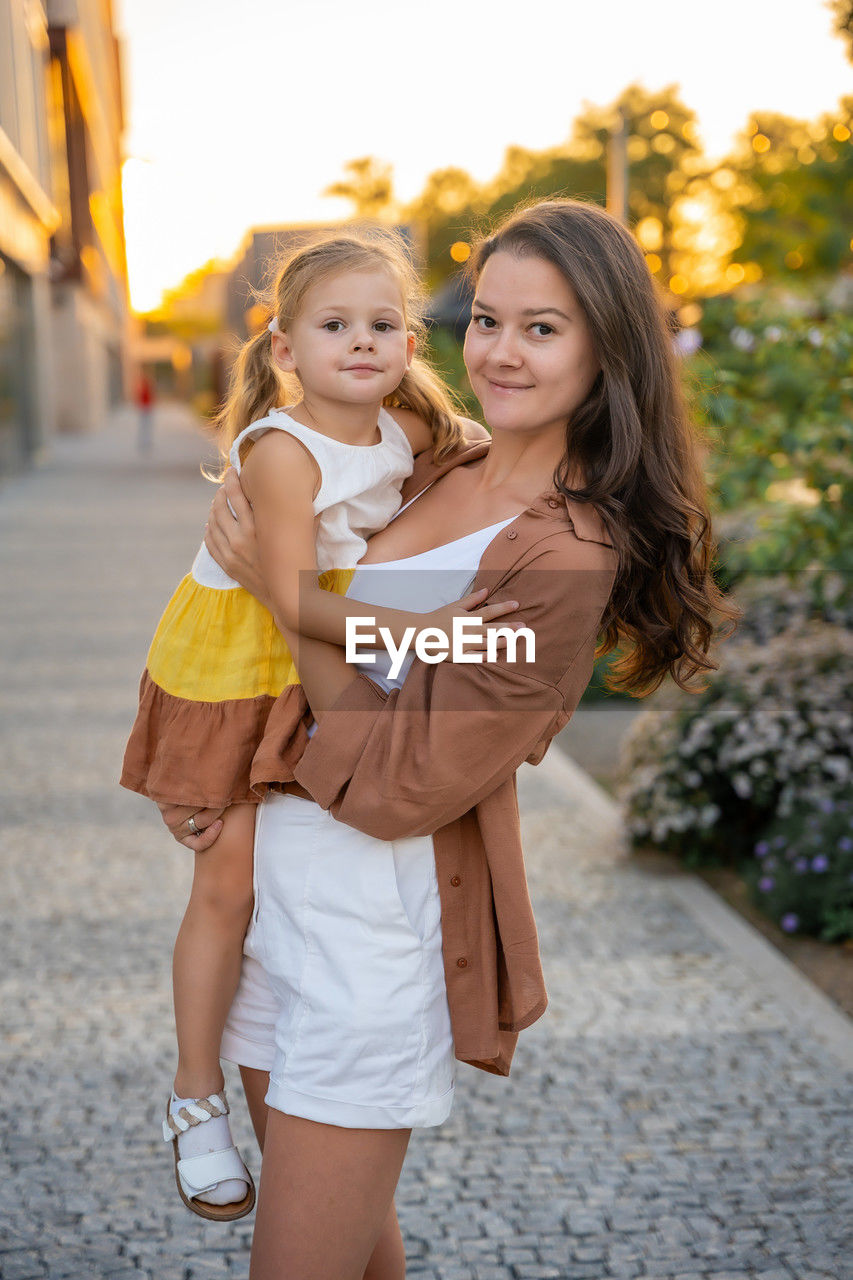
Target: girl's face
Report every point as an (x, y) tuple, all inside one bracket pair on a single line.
[(528, 349), (349, 341)]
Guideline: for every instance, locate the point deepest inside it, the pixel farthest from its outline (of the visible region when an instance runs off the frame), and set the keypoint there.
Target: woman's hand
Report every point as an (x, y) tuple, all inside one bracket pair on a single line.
[(177, 816), (230, 536), (473, 609)]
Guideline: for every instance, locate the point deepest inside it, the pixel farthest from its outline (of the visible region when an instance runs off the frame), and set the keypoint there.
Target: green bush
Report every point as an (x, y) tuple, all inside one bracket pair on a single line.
[(775, 392), (802, 870), (703, 775)]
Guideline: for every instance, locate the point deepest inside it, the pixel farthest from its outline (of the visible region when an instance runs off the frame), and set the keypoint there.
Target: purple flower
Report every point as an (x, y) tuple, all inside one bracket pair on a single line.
[(801, 865), (820, 863), (766, 883), (845, 844), (827, 805), (790, 922), (779, 842), (762, 849)]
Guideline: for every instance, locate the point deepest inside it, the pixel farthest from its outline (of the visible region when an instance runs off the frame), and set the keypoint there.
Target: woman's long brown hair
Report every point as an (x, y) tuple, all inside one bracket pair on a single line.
[(632, 442)]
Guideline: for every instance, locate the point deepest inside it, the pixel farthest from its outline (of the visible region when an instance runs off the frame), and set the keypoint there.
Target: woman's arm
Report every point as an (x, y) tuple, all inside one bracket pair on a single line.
[(408, 762)]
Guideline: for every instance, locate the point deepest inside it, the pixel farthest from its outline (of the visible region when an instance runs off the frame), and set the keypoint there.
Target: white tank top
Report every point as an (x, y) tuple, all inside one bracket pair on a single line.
[(359, 490), (419, 584)]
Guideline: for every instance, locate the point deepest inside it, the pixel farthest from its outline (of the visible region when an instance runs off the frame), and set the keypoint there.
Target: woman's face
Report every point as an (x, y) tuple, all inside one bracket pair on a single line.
[(528, 349)]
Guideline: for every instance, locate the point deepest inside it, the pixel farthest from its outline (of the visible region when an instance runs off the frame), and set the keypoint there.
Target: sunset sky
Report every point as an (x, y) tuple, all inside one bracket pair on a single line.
[(239, 114)]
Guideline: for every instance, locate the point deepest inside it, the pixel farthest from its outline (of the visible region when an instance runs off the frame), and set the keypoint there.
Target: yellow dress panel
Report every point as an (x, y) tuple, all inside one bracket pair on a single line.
[(216, 645)]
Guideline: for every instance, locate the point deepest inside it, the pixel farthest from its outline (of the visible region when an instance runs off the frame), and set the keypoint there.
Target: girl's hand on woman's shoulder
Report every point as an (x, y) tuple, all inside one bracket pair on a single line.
[(474, 431), (230, 536)]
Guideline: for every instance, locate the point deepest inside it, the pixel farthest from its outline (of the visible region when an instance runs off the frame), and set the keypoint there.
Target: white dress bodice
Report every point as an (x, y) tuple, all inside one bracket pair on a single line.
[(359, 490)]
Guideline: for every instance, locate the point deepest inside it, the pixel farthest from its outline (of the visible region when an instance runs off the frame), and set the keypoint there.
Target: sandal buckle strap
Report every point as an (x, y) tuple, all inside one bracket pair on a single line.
[(202, 1173)]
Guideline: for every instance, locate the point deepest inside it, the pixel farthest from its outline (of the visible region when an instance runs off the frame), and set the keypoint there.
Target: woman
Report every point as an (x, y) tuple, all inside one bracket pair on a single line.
[(586, 508)]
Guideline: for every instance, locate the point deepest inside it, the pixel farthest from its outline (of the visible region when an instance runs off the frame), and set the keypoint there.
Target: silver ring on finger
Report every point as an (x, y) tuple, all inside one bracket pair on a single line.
[(197, 831)]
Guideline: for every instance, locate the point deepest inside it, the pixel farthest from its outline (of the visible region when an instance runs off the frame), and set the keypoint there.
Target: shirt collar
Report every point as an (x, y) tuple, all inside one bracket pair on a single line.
[(586, 521)]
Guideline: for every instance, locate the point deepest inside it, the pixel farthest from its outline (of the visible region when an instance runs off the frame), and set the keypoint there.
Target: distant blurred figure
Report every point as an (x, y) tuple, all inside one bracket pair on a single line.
[(145, 404)]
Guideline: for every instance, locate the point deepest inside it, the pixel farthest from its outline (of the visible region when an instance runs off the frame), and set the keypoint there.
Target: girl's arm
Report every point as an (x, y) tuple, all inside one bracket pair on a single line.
[(280, 480)]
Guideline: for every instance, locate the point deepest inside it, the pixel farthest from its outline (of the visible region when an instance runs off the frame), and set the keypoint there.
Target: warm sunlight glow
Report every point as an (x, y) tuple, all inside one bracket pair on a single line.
[(679, 284), (460, 251), (649, 232), (228, 129), (841, 133), (654, 262), (794, 259), (690, 314), (761, 143)]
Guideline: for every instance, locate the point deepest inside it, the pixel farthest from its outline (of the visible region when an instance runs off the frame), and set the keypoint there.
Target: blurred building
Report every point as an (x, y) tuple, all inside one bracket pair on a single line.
[(254, 271), (28, 219), (63, 279), (88, 266)]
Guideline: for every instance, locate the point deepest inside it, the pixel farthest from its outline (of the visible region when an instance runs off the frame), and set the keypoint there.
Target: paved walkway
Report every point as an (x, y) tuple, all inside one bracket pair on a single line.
[(681, 1110)]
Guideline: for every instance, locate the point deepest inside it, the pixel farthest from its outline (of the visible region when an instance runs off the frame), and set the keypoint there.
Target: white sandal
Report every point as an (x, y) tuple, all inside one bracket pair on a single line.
[(198, 1174)]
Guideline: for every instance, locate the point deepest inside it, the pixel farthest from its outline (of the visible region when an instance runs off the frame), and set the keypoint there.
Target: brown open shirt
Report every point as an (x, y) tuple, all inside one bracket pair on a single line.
[(439, 757)]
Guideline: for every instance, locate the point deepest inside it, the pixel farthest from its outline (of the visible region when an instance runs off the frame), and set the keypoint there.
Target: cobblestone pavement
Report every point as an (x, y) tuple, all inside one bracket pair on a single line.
[(674, 1114)]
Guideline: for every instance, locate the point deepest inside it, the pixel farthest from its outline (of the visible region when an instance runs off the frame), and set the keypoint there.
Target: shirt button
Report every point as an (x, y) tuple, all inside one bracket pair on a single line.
[(462, 963), (552, 502), (456, 881), (512, 534)]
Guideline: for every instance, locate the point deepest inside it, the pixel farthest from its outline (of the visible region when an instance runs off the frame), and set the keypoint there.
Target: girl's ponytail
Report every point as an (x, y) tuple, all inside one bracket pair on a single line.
[(423, 391), (254, 389)]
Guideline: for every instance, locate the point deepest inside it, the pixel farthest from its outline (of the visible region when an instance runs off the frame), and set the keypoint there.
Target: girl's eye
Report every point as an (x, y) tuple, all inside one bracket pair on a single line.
[(384, 326), (483, 322), (543, 329), (334, 326)]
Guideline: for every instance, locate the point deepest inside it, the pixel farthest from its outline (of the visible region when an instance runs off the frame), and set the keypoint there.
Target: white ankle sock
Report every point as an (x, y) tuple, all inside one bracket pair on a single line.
[(213, 1135)]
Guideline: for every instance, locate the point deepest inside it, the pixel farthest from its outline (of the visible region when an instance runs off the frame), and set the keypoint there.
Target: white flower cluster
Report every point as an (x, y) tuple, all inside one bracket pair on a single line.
[(774, 726)]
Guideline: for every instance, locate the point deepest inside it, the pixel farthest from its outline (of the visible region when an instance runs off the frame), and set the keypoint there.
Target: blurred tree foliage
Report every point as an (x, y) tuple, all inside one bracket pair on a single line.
[(662, 142), (842, 11), (368, 184), (795, 218), (775, 389)]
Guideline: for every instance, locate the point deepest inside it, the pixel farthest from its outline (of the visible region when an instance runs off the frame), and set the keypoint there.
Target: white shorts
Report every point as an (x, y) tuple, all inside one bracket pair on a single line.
[(342, 996)]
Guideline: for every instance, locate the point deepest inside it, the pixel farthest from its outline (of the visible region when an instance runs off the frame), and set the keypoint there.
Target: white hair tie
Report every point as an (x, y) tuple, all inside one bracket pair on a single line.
[(273, 325)]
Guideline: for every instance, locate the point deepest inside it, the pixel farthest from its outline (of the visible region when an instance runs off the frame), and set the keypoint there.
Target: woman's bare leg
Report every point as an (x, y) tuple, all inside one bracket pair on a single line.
[(325, 1207), (255, 1086), (209, 951), (388, 1260)]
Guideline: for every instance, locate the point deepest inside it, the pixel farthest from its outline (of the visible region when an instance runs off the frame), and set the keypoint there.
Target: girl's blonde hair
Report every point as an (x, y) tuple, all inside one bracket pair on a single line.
[(257, 384)]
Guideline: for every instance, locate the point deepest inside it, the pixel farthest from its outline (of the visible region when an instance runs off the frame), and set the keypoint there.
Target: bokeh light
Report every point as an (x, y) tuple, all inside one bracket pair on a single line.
[(460, 251)]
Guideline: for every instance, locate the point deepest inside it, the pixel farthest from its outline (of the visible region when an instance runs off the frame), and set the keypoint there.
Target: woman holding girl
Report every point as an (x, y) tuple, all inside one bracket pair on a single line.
[(392, 928)]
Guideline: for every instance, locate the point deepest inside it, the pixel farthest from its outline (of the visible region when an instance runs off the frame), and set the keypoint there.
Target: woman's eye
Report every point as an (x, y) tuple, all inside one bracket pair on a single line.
[(483, 322), (542, 330)]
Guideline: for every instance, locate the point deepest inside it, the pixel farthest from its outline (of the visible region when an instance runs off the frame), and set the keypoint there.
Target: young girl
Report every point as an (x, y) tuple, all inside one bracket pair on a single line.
[(222, 715)]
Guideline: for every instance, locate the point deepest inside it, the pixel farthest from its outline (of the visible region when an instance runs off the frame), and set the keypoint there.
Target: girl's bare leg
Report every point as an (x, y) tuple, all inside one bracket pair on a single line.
[(328, 1192), (209, 949)]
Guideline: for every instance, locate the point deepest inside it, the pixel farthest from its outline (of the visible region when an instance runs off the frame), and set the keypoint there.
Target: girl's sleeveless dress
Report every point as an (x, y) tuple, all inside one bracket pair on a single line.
[(222, 715)]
